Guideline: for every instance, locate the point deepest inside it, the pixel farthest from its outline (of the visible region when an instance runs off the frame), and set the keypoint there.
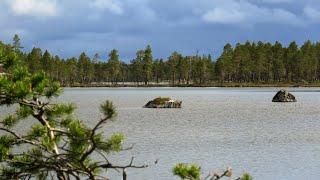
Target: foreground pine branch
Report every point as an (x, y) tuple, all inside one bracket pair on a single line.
[(57, 144), (193, 172)]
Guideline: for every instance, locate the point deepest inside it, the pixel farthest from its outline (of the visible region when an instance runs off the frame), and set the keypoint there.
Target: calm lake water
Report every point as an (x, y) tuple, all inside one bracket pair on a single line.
[(215, 128)]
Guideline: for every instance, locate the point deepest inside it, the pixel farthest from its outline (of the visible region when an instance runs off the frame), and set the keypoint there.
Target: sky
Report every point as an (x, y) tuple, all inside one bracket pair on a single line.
[(69, 27)]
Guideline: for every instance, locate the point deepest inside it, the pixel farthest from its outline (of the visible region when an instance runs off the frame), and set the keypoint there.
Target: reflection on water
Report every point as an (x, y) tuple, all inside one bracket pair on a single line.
[(216, 128)]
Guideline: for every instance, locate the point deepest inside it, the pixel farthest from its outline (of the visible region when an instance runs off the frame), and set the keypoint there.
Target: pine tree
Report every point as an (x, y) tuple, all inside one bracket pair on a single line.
[(172, 65), (57, 144), (278, 62), (309, 61), (34, 60), (46, 62), (85, 68), (225, 68), (291, 61), (114, 65), (137, 66), (16, 43), (147, 64)]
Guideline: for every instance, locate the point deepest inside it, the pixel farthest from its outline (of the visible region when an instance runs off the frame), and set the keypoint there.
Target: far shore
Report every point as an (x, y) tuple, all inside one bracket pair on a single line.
[(225, 85)]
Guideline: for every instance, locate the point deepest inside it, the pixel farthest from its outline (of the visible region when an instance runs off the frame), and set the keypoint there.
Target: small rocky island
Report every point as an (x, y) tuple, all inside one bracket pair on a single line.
[(161, 102), (284, 96)]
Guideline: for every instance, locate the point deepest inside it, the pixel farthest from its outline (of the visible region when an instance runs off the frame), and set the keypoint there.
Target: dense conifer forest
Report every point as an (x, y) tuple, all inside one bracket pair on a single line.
[(250, 63)]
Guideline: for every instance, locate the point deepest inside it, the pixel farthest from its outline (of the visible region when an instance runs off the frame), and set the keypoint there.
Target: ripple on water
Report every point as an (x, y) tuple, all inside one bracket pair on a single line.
[(216, 128)]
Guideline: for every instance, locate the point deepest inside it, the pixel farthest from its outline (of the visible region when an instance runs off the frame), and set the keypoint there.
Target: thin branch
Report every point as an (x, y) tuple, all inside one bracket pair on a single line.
[(97, 126), (217, 176), (93, 146), (130, 165), (25, 140), (103, 155)]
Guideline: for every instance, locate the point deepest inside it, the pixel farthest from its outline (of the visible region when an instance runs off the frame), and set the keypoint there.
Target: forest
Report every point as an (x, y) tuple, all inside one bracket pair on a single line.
[(54, 143), (246, 63)]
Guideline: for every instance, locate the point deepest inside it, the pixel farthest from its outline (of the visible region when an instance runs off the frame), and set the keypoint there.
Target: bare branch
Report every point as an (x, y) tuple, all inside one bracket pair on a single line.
[(130, 165)]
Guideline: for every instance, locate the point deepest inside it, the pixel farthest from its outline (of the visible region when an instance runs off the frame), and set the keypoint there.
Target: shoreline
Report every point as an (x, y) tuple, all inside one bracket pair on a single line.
[(213, 85)]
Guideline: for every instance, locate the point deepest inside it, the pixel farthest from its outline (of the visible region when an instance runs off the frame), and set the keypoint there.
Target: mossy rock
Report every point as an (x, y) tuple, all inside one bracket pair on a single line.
[(163, 102)]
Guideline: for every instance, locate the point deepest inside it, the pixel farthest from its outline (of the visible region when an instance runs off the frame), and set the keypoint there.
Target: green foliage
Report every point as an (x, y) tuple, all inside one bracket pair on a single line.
[(108, 109), (57, 143), (7, 59), (160, 100), (187, 171), (77, 135), (193, 172), (61, 110), (61, 145), (16, 43), (20, 89), (147, 61), (23, 112), (114, 65), (7, 171), (37, 131), (19, 74), (246, 176), (53, 90), (66, 121), (85, 68), (6, 143), (113, 144), (47, 141), (39, 82), (10, 120), (250, 62)]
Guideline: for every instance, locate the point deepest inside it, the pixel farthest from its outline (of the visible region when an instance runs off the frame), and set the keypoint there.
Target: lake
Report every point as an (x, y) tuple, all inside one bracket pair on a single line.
[(215, 128)]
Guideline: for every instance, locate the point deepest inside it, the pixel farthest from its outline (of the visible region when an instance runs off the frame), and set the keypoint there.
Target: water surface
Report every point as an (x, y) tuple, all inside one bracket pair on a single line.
[(216, 128)]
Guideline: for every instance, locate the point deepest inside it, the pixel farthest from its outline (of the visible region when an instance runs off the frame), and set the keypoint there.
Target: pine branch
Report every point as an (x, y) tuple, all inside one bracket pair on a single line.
[(20, 138)]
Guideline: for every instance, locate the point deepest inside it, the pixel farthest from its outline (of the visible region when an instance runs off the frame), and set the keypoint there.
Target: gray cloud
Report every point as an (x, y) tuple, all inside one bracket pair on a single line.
[(312, 13), (69, 27), (246, 13), (35, 8), (112, 5)]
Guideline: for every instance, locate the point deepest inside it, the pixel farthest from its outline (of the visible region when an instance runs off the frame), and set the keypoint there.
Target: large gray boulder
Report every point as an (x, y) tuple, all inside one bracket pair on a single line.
[(284, 96), (163, 103)]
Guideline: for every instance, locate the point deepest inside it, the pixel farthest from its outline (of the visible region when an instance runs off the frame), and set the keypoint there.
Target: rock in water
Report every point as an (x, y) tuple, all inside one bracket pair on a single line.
[(163, 103), (284, 96)]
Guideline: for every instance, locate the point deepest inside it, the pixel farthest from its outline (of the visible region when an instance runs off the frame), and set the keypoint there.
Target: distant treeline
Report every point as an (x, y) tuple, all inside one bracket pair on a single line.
[(245, 63)]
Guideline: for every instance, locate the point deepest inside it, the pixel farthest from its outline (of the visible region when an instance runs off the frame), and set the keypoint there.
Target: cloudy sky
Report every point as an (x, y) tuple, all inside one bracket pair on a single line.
[(68, 27)]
